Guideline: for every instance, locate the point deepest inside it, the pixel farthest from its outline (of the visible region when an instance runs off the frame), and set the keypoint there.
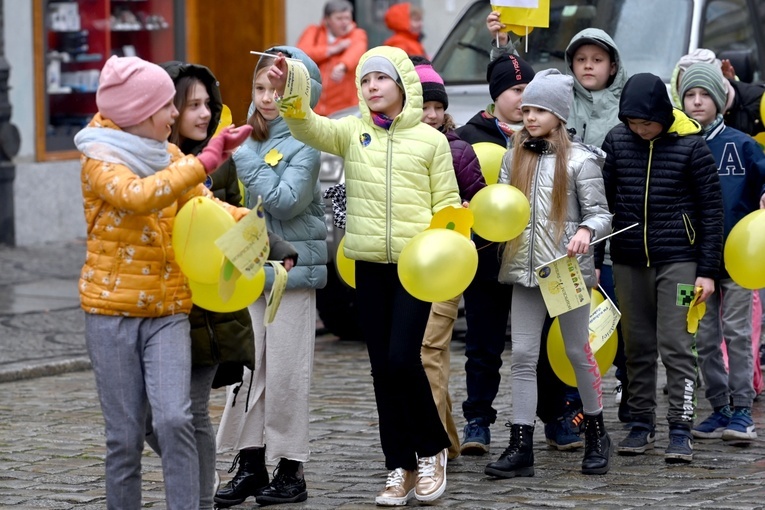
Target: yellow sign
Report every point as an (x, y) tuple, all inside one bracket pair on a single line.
[(518, 14), (246, 243), (277, 291), (562, 285), (297, 92)]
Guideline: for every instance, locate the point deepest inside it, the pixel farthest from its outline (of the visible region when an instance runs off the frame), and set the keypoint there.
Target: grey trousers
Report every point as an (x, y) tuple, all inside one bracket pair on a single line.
[(728, 317), (139, 362), (204, 435), (654, 322), (527, 317)]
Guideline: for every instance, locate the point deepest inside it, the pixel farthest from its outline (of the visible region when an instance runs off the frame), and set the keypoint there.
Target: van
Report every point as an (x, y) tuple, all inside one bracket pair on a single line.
[(651, 35)]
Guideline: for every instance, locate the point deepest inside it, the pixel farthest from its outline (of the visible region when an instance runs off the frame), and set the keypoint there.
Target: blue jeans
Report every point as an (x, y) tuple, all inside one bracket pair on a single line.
[(137, 361)]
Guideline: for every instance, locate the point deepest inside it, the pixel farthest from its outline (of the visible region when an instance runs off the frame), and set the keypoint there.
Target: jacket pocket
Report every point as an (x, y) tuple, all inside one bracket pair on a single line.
[(689, 231)]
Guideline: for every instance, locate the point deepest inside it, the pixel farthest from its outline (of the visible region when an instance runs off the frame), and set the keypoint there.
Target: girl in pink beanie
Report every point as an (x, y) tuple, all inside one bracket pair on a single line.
[(135, 298)]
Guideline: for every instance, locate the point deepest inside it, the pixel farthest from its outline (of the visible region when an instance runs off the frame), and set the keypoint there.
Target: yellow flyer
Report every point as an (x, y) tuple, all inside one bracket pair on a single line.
[(562, 285), (603, 321), (297, 92), (246, 243), (523, 13), (277, 291)]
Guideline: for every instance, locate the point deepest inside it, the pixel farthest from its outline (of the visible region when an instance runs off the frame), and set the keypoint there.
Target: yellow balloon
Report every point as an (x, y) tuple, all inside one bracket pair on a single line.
[(346, 268), (490, 157), (556, 351), (197, 225), (500, 212), (225, 119), (745, 251), (207, 295), (437, 265)]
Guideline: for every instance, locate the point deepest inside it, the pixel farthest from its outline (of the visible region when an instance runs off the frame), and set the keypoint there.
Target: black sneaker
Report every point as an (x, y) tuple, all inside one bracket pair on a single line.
[(680, 449), (288, 485), (640, 439)]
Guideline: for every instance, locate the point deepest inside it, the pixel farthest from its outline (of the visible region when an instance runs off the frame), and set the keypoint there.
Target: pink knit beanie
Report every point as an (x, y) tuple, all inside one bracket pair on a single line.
[(130, 90)]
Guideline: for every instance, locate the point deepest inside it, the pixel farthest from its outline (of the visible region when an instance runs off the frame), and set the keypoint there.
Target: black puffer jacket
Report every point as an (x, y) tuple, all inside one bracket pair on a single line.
[(668, 185)]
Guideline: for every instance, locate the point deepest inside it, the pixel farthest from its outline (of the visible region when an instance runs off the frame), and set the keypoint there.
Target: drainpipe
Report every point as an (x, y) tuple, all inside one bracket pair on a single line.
[(9, 147)]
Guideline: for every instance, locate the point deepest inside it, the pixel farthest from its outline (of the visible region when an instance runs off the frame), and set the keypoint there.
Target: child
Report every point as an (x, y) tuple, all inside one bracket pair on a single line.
[(742, 110), (487, 302), (660, 174), (564, 184), (278, 402), (398, 174), (741, 167), (135, 297), (405, 21), (438, 334)]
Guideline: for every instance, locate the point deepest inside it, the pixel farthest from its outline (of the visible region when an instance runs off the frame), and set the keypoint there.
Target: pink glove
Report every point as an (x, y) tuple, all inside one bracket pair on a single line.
[(234, 137), (220, 147), (212, 156)]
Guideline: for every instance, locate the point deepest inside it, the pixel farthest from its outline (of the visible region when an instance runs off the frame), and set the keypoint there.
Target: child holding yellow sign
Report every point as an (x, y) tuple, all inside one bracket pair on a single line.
[(564, 185)]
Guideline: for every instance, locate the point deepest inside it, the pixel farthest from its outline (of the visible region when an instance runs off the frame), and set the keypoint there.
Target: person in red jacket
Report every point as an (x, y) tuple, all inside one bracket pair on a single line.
[(336, 46), (405, 20)]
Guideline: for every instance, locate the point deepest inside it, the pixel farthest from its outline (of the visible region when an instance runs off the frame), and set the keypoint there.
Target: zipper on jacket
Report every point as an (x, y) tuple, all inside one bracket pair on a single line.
[(645, 204), (388, 195), (533, 201)]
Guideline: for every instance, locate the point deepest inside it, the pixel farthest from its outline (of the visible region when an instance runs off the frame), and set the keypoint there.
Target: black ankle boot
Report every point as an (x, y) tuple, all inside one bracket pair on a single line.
[(248, 481), (518, 457), (597, 446), (288, 485)]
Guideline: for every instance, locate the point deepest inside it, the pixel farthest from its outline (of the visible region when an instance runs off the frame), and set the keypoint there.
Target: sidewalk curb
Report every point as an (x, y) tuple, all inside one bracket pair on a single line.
[(76, 364)]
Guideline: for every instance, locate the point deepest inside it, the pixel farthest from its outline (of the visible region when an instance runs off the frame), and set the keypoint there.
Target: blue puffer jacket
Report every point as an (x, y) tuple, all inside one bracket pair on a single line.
[(290, 190)]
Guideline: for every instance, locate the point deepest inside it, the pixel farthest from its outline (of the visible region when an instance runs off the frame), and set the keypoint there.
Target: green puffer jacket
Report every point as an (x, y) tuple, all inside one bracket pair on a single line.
[(395, 179)]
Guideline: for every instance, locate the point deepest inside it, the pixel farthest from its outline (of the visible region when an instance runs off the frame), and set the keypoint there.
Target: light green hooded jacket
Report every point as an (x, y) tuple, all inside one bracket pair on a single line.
[(594, 113), (395, 179)]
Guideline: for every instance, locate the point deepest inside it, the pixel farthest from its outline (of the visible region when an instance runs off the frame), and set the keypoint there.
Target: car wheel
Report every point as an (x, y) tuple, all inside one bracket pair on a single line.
[(336, 304)]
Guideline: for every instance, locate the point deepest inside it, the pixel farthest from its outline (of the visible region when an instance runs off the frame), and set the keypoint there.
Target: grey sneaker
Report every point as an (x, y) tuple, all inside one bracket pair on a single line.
[(680, 449), (640, 439)]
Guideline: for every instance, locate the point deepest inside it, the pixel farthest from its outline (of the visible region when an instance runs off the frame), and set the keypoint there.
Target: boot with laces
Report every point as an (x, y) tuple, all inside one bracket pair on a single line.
[(249, 479), (518, 457), (597, 446), (431, 477), (399, 488), (288, 485)]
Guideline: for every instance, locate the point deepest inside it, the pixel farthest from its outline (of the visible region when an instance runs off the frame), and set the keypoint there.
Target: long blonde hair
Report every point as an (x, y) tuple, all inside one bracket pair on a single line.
[(524, 168)]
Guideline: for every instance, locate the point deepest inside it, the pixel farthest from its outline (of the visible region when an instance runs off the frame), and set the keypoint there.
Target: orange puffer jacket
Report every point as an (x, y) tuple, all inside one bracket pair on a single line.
[(130, 267)]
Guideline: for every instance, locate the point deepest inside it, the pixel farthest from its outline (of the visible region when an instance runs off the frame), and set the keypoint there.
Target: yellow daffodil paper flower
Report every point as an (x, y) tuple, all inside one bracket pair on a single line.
[(459, 219), (695, 312), (273, 157)]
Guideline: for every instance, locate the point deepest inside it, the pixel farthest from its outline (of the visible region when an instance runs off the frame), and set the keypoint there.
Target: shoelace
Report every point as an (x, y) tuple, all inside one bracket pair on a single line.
[(592, 437), (427, 466), (515, 442), (680, 440), (395, 478), (235, 463)]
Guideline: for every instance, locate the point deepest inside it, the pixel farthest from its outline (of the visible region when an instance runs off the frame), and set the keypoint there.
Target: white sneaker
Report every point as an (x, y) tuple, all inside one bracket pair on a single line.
[(431, 476), (618, 393)]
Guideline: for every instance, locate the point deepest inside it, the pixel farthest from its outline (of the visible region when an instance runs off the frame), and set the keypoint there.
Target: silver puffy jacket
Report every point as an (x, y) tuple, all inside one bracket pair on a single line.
[(587, 207)]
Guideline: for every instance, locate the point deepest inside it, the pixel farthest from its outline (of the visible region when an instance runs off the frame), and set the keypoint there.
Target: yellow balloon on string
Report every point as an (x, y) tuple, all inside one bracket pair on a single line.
[(490, 158), (196, 227), (246, 291)]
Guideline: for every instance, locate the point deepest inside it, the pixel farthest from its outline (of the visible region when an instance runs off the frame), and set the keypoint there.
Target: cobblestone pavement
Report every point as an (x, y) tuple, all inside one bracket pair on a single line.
[(52, 444), (51, 453)]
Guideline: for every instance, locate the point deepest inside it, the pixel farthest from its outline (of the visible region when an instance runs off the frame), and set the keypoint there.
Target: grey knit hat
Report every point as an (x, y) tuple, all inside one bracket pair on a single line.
[(551, 91), (708, 77), (380, 64)]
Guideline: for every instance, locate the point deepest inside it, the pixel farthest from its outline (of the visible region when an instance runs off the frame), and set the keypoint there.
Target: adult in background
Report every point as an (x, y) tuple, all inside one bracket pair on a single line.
[(336, 46)]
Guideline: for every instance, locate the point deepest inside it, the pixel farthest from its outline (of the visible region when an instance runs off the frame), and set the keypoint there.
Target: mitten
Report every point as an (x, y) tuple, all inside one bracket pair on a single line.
[(213, 155)]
